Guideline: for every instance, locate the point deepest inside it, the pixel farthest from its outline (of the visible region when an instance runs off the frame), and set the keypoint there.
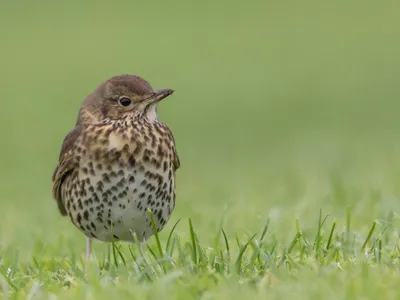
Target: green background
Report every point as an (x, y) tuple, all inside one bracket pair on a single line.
[(282, 108)]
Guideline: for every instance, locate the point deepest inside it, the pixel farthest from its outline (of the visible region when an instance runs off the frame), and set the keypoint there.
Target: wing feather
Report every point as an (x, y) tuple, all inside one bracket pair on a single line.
[(67, 163)]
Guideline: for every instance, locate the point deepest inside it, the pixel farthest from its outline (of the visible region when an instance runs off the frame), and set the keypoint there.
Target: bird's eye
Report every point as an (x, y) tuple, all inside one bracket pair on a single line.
[(125, 101)]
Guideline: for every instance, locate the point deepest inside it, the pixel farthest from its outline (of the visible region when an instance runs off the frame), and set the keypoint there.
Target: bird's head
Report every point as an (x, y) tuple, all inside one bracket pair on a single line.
[(121, 96)]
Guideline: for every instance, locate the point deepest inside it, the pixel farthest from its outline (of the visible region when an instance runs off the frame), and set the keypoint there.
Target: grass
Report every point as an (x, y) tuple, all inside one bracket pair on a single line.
[(286, 121), (258, 265)]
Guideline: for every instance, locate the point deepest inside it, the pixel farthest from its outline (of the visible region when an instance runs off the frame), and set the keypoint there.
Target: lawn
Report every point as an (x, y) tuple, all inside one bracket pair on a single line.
[(286, 118)]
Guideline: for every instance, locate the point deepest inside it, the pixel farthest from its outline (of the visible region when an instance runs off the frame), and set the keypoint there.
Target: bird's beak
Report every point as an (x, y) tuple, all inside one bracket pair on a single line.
[(159, 95)]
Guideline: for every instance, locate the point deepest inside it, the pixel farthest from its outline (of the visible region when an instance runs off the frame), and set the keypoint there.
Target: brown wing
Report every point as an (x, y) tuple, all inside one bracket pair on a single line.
[(176, 162), (66, 164)]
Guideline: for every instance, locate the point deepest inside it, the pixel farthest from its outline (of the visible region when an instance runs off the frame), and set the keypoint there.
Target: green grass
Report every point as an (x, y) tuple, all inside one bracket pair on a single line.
[(286, 117), (245, 265)]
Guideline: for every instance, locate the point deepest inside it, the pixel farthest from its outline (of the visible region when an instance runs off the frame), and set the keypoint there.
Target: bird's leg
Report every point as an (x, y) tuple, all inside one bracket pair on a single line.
[(88, 253)]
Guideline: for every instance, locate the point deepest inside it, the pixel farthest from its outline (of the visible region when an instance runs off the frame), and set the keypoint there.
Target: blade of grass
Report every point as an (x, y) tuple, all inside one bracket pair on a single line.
[(317, 241), (243, 248), (371, 231), (114, 254), (226, 242), (193, 239), (131, 252), (294, 242), (120, 254), (170, 234), (155, 231), (328, 244), (264, 232)]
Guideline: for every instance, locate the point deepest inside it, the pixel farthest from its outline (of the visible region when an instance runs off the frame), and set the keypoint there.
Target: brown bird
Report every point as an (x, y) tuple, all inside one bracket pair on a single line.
[(118, 162)]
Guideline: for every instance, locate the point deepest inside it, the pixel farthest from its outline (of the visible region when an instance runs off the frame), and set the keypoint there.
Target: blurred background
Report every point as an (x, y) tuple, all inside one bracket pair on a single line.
[(282, 108)]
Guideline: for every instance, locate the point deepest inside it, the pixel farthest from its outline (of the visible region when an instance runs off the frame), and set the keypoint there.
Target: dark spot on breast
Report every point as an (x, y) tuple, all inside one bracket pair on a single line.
[(165, 166), (154, 162), (159, 215), (125, 148), (153, 139), (138, 148), (80, 205), (85, 170), (96, 198), (97, 154), (158, 129), (79, 218), (121, 163), (131, 179), (100, 186), (86, 215), (131, 161), (120, 184), (106, 178)]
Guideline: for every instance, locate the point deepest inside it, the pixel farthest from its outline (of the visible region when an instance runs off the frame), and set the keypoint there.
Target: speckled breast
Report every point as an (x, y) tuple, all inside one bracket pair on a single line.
[(121, 175)]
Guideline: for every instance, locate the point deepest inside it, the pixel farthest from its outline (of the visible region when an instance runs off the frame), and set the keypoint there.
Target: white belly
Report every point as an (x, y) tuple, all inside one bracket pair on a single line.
[(116, 206)]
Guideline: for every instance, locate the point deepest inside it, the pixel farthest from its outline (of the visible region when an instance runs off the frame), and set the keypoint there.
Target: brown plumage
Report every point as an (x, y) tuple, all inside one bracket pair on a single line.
[(118, 162)]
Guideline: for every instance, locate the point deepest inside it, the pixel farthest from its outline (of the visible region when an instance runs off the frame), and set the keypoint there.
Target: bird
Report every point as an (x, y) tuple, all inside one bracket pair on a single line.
[(117, 163)]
